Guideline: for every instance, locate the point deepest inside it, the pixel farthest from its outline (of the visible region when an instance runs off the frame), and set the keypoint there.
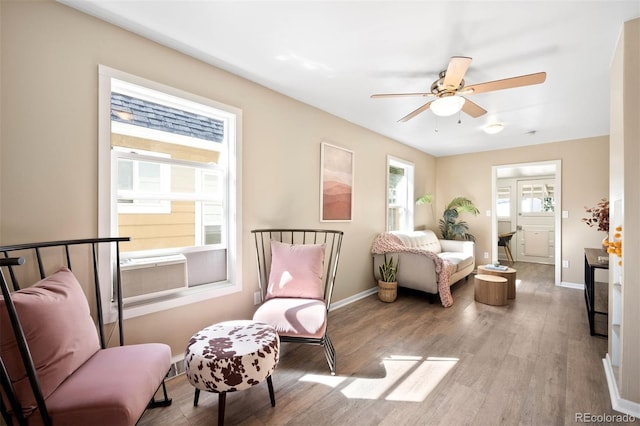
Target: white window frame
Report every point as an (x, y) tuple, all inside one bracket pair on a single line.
[(107, 209), (408, 206)]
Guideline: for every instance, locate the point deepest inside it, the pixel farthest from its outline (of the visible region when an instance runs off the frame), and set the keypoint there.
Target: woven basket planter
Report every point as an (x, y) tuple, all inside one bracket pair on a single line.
[(387, 292)]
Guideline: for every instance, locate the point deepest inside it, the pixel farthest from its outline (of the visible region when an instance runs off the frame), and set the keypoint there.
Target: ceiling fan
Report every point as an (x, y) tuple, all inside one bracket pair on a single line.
[(450, 88)]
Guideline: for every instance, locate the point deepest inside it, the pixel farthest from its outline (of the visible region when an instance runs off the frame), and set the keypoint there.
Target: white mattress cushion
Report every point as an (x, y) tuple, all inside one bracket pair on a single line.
[(460, 260)]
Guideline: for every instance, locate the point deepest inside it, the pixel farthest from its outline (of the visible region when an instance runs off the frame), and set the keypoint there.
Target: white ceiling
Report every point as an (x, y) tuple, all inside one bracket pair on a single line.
[(334, 55)]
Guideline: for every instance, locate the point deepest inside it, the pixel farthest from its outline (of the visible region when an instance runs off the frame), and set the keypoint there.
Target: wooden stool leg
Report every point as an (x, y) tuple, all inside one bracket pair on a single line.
[(271, 394), (222, 397), (196, 396), (507, 249)]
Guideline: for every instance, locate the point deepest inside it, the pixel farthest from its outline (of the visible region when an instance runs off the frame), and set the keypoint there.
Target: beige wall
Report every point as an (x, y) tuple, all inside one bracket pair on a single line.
[(50, 56), (585, 180)]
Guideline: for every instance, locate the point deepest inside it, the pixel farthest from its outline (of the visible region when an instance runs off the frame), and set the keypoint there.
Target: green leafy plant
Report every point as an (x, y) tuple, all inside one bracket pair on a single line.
[(450, 227), (425, 199), (388, 270)]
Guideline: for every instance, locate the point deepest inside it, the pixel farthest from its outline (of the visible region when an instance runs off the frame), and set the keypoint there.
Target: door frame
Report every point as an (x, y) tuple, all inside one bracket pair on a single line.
[(557, 213)]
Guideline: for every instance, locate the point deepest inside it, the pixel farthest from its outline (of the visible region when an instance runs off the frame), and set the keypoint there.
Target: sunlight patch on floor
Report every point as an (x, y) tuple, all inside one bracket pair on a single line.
[(407, 378), (423, 380), (395, 366), (331, 381)]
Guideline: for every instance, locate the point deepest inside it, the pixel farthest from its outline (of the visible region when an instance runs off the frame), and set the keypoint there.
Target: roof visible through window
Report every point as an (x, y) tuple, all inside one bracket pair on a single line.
[(143, 113)]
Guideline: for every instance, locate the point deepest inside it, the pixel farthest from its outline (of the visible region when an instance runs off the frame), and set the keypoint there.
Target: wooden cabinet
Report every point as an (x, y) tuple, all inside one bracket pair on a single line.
[(592, 262)]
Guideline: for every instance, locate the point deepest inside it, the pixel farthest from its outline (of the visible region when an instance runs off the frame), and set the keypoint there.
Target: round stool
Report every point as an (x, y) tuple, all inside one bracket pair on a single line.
[(491, 290), (231, 356), (509, 274)]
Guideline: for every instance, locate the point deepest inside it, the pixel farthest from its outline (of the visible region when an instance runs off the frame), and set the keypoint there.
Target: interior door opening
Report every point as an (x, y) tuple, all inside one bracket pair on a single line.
[(527, 205)]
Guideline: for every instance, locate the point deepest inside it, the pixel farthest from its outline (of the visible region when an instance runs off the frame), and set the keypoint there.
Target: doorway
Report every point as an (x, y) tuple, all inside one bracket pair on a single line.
[(527, 202)]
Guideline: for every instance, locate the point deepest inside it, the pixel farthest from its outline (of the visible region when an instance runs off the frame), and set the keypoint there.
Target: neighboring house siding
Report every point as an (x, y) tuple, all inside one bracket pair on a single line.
[(177, 228)]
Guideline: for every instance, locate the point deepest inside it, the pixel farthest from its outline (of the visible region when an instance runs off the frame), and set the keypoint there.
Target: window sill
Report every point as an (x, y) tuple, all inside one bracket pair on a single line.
[(182, 298)]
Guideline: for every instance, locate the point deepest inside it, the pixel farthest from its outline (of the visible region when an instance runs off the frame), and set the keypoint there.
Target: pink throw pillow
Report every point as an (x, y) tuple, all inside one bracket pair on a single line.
[(60, 333), (296, 270)]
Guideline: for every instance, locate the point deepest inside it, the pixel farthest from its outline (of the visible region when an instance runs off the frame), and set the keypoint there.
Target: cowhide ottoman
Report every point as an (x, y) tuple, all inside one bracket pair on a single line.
[(231, 356)]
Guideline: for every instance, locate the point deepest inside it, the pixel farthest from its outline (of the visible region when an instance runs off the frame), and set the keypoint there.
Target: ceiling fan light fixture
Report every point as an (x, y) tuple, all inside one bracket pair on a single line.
[(447, 105), (493, 128)]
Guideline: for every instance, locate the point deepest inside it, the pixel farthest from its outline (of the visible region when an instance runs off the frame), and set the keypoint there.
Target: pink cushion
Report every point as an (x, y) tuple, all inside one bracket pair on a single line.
[(112, 388), (294, 316), (296, 270), (60, 333)]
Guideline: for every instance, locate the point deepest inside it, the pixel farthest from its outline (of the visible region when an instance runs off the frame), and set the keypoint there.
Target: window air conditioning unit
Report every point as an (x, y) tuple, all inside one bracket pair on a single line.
[(153, 276)]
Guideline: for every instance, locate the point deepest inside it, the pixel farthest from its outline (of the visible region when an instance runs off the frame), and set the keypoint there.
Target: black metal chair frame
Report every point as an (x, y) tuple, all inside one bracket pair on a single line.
[(333, 241), (8, 263)]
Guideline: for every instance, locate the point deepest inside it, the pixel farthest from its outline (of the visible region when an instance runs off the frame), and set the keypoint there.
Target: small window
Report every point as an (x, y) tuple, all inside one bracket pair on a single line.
[(503, 202), (399, 195), (537, 197)]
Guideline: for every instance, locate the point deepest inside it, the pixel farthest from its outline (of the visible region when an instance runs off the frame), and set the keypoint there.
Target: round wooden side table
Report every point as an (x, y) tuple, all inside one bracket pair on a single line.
[(509, 274), (491, 290)]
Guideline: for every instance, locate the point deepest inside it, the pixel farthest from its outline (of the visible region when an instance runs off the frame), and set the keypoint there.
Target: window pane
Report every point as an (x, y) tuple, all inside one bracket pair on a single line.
[(400, 196), (149, 179), (503, 202), (190, 214), (125, 175)]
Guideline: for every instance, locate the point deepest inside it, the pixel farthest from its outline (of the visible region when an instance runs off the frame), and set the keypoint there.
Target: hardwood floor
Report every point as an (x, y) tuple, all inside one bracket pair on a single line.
[(409, 362)]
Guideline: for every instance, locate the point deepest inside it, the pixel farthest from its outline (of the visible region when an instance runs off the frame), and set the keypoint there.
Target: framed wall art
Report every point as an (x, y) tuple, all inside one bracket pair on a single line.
[(336, 183)]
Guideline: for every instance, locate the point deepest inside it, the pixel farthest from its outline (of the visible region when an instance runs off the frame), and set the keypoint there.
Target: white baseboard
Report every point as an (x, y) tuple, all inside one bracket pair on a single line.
[(574, 286), (344, 302), (618, 403)]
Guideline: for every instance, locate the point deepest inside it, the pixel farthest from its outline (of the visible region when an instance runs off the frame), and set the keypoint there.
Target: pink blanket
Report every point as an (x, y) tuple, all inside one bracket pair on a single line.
[(389, 243)]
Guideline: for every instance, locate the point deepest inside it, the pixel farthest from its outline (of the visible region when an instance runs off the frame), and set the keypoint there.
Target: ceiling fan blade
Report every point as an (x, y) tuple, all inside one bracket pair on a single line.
[(507, 83), (473, 109), (456, 70), (416, 112), (400, 95)]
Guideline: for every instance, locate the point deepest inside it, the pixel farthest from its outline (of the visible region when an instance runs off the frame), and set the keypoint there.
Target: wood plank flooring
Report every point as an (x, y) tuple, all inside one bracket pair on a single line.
[(410, 362)]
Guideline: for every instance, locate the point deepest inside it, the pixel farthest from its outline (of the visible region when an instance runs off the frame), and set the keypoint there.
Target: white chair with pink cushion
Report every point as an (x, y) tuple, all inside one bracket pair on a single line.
[(296, 274)]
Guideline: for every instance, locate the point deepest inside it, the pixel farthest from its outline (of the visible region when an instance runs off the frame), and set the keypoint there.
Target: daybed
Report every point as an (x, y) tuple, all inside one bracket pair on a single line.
[(426, 263)]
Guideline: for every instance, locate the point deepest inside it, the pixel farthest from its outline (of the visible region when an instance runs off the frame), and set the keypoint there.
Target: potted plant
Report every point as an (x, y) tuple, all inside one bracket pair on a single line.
[(450, 227), (387, 284)]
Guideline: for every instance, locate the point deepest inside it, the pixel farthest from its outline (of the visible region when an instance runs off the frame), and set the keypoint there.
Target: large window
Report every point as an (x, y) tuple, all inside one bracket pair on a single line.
[(399, 195), (168, 180)]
